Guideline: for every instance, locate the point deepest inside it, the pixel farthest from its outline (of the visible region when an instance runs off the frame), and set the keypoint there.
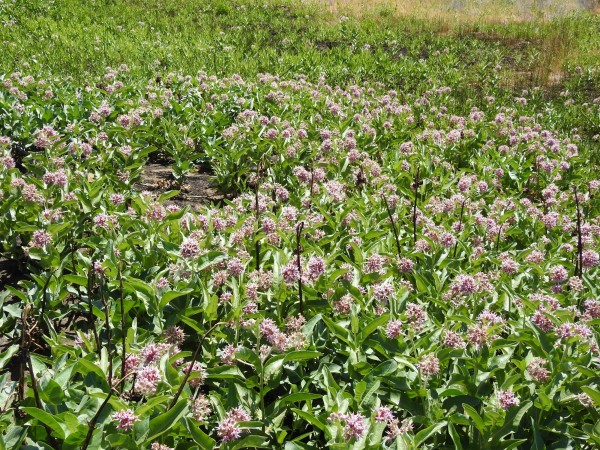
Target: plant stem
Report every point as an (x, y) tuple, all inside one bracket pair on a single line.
[(579, 263), (123, 340), (108, 335), (91, 324), (414, 215), (92, 423), (462, 209), (387, 207), (298, 251), (190, 367)]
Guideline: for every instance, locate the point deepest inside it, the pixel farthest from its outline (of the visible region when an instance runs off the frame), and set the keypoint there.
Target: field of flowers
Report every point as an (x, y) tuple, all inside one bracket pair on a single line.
[(397, 260)]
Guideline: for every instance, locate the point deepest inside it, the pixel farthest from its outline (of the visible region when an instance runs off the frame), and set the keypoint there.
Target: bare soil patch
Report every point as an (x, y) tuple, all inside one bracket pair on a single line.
[(197, 190)]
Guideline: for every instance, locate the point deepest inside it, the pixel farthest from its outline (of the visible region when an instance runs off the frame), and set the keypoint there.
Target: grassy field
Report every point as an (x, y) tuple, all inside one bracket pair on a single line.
[(300, 225), (77, 40)]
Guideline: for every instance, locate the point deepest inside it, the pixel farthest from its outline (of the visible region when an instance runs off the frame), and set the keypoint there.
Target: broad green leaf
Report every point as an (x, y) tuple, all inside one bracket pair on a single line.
[(47, 419), (164, 422), (474, 416), (425, 434), (310, 418), (200, 437)]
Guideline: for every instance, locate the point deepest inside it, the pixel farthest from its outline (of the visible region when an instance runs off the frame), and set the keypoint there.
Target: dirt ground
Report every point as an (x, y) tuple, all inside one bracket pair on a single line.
[(197, 189)]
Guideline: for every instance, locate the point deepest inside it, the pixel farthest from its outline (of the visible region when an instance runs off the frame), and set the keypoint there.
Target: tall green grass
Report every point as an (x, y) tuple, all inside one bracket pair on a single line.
[(76, 40)]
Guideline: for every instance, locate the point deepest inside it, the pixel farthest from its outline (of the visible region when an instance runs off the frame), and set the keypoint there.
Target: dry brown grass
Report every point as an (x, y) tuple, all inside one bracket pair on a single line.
[(516, 24), (461, 12)]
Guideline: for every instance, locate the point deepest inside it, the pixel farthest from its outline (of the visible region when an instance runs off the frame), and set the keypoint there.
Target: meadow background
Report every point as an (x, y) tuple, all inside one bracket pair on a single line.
[(275, 224)]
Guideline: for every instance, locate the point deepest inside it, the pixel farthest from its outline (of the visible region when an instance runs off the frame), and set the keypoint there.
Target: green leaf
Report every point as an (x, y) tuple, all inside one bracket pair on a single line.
[(372, 326), (208, 259), (167, 195), (200, 437), (76, 279), (300, 355), (84, 367), (17, 293), (6, 356), (425, 434), (310, 418), (164, 422), (298, 397), (511, 443), (454, 436), (512, 421), (46, 419), (252, 441), (593, 393), (474, 416), (171, 295), (50, 391)]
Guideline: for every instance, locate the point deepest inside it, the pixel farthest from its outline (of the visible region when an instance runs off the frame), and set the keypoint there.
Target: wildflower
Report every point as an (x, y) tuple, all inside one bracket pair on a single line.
[(195, 380), (30, 193), (189, 248), (125, 419), (558, 274), (228, 430), (157, 446), (156, 212), (8, 162), (229, 354), (174, 335), (383, 291), (355, 426), (316, 267), (575, 284), (464, 284), (510, 266), (132, 362), (374, 264), (535, 257), (117, 199), (268, 225), (290, 272), (585, 400), (589, 259), (235, 267), (592, 308), (147, 380), (294, 324), (239, 415), (405, 265), (335, 189), (454, 340), (162, 283), (540, 319), (384, 414), (393, 329), (415, 315), (507, 399), (343, 305), (395, 430), (429, 365), (40, 239), (537, 371), (200, 408), (447, 240)]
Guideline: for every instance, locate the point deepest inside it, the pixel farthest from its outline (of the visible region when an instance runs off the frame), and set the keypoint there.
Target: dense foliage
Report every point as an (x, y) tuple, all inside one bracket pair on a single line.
[(390, 268)]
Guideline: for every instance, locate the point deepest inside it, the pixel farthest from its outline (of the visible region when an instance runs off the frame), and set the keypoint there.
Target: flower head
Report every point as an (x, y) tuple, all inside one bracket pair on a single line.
[(125, 419)]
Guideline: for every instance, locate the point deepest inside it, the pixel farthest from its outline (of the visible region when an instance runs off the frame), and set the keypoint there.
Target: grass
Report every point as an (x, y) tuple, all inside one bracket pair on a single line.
[(79, 39), (400, 44), (467, 12)]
